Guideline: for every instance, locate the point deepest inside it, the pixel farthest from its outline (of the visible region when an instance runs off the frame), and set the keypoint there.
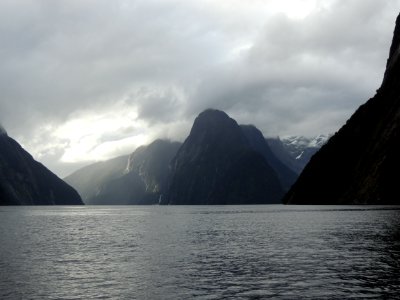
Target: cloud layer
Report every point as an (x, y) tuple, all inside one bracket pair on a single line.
[(88, 80)]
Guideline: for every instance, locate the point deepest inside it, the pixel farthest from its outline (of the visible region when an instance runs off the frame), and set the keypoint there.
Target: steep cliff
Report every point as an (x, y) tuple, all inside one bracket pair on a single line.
[(360, 163), (24, 181)]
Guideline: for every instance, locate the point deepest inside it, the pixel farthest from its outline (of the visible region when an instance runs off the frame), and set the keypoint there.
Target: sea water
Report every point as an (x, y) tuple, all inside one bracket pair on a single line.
[(202, 252)]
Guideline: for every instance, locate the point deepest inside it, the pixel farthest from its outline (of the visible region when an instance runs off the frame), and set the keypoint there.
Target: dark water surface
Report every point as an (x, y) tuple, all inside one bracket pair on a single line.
[(215, 252)]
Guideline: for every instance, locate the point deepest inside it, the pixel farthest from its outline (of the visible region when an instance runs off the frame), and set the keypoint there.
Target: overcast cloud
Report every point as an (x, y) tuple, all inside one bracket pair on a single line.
[(85, 80)]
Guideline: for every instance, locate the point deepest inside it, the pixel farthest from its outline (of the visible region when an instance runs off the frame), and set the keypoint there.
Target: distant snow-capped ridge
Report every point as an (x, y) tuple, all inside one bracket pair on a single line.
[(296, 151), (303, 148), (306, 142)]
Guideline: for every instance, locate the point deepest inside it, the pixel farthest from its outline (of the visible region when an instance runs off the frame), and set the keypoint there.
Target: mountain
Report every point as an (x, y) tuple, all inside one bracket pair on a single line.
[(24, 181), (89, 180), (360, 163), (217, 165), (257, 141), (278, 148), (140, 178), (296, 151)]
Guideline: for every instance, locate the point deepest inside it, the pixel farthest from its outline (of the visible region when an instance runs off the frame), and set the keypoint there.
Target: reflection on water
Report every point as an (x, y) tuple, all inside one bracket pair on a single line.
[(171, 252)]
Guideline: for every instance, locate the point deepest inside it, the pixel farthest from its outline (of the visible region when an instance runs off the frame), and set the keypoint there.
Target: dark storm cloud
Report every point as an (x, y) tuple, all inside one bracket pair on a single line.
[(147, 68)]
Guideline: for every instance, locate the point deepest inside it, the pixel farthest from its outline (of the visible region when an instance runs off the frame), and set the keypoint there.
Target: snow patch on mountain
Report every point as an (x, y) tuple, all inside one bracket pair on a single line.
[(296, 151), (299, 143)]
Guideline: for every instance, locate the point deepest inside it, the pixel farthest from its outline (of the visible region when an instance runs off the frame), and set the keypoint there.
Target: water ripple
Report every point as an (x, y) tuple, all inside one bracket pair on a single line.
[(222, 252)]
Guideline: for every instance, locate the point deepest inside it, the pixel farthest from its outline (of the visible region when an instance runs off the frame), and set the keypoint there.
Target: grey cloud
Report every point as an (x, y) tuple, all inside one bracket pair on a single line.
[(65, 54), (298, 70), (169, 60), (121, 134), (158, 104)]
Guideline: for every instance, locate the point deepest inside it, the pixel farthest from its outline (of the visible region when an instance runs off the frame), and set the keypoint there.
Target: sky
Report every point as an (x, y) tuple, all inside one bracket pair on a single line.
[(88, 80)]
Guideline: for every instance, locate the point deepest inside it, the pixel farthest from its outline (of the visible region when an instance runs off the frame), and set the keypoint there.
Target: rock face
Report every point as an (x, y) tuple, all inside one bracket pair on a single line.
[(257, 141), (24, 181), (217, 165), (152, 164), (140, 178), (360, 163), (296, 151)]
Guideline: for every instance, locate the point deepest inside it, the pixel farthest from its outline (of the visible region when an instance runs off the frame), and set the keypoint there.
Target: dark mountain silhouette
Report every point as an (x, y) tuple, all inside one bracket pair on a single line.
[(257, 141), (24, 181), (217, 165), (360, 163), (140, 178)]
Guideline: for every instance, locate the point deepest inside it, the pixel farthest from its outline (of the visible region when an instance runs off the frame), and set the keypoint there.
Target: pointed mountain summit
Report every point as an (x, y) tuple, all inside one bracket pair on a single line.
[(24, 181), (217, 165), (360, 163)]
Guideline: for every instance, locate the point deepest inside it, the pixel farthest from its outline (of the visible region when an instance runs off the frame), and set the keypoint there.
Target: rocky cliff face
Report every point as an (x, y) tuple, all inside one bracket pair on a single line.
[(360, 162), (217, 165), (24, 181), (152, 164)]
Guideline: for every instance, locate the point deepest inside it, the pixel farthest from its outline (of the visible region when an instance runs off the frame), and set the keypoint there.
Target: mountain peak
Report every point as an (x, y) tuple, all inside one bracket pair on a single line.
[(211, 112), (211, 125), (211, 118), (217, 165)]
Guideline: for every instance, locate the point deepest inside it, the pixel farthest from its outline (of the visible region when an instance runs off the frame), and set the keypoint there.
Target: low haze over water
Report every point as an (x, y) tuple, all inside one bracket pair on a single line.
[(214, 252)]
